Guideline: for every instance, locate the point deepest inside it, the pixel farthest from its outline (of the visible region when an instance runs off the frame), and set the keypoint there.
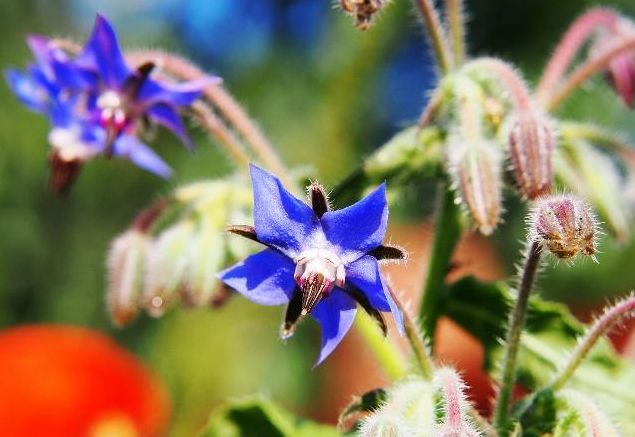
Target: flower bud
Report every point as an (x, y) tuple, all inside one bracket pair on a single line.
[(363, 11), (382, 423), (565, 225), (126, 268), (531, 146), (475, 170), (455, 419), (167, 262), (588, 414), (205, 259)]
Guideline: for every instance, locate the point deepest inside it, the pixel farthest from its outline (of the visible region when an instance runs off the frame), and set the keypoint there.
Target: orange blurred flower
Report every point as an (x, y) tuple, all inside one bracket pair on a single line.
[(68, 381)]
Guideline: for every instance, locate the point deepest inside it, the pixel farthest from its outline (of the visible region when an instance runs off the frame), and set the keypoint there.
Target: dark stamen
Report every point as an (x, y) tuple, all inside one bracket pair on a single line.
[(319, 199), (388, 253), (362, 300), (312, 292), (246, 231), (292, 316)]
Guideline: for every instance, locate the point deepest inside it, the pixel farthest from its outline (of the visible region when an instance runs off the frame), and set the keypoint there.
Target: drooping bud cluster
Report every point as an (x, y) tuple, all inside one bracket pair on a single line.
[(363, 11), (531, 147), (565, 226), (151, 272), (408, 410)]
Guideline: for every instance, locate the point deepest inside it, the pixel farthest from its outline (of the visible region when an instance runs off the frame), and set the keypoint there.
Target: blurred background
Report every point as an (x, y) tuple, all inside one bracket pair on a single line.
[(326, 95)]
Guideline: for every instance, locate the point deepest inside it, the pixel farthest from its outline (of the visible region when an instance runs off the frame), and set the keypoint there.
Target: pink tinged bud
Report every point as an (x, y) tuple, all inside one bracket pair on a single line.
[(565, 225), (383, 423), (594, 421), (531, 147), (475, 170), (126, 268), (621, 74), (455, 421)]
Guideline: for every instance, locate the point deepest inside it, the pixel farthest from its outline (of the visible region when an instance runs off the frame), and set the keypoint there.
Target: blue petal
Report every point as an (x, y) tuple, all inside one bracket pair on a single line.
[(365, 275), (102, 53), (265, 278), (281, 220), (167, 117), (27, 90), (335, 315), (359, 228), (179, 94), (128, 146)]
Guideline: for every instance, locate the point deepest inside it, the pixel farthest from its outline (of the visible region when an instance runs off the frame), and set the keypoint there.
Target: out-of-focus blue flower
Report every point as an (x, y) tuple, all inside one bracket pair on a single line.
[(95, 102), (318, 261)]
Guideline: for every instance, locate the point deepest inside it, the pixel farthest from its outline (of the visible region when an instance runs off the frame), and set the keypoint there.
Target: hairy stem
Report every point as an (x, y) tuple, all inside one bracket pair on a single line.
[(224, 102), (221, 133), (593, 65), (431, 109), (611, 317), (388, 356), (455, 18), (437, 34), (415, 339), (446, 236), (509, 78), (512, 345), (570, 44)]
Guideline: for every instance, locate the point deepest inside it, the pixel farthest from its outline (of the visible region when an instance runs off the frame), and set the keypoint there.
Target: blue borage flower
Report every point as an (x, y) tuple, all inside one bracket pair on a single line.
[(318, 261), (97, 104)]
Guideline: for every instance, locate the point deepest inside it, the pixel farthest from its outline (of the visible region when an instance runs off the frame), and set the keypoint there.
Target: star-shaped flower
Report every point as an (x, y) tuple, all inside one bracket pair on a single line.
[(317, 261), (97, 104)]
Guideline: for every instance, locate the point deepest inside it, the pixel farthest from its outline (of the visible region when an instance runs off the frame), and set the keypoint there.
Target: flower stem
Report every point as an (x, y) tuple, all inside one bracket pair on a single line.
[(436, 33), (600, 137), (587, 69), (570, 44), (455, 19), (512, 345), (612, 316), (224, 102), (446, 236), (509, 77), (218, 130), (388, 356), (415, 339)]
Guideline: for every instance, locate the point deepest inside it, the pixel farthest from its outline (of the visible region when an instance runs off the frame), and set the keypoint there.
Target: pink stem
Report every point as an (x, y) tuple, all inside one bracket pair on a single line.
[(589, 68), (510, 79), (571, 43)]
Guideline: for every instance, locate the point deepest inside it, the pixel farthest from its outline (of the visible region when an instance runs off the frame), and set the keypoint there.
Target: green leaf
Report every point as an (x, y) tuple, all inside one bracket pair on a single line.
[(551, 332), (257, 417)]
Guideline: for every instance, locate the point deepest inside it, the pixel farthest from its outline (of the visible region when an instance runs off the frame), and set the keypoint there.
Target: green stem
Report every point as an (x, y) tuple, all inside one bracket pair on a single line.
[(415, 339), (512, 345), (456, 22), (446, 236), (388, 356), (437, 33)]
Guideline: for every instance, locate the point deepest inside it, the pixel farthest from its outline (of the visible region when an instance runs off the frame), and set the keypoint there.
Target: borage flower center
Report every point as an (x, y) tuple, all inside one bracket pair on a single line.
[(112, 111), (317, 272)]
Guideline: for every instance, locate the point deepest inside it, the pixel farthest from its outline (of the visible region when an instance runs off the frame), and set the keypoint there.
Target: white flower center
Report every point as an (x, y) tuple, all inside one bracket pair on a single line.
[(69, 145), (112, 109), (317, 272)]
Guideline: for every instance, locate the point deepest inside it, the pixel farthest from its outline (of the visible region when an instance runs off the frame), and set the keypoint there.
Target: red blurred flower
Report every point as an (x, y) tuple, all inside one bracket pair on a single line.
[(69, 381)]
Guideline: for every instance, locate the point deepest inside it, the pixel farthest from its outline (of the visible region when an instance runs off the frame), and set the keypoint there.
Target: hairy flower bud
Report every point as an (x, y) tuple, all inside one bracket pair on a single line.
[(126, 268), (531, 146), (475, 170), (363, 11), (455, 419), (205, 258), (167, 262), (594, 422), (565, 225)]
